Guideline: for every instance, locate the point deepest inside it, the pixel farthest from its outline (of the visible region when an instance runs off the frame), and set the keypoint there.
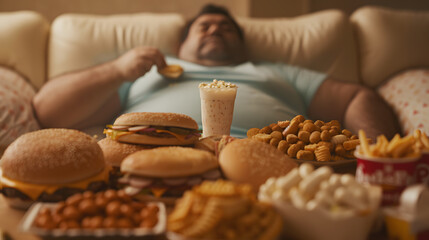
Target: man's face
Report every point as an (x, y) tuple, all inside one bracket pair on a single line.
[(213, 40)]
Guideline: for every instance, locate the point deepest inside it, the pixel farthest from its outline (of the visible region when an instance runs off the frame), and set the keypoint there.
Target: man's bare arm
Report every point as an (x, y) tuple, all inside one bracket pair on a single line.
[(356, 107), (87, 97)]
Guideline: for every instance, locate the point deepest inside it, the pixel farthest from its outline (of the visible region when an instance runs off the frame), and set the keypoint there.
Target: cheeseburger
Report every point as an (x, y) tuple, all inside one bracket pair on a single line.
[(166, 172), (50, 165), (154, 128), (114, 153)]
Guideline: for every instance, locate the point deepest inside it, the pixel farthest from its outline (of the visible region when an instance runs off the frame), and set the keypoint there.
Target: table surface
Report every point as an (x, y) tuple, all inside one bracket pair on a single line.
[(10, 219)]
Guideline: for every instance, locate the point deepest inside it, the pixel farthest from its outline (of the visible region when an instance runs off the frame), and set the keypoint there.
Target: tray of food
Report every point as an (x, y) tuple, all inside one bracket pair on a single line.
[(94, 215), (317, 142)]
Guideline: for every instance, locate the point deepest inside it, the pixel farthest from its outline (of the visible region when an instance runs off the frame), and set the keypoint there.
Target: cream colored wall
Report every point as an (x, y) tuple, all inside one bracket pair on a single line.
[(240, 8), (53, 8)]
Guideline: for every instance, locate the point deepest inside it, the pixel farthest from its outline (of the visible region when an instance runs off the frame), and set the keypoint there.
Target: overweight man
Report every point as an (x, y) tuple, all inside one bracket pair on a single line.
[(212, 47)]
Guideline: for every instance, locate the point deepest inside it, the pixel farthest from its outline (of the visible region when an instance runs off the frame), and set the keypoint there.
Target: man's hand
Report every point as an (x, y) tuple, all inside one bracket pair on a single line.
[(138, 61)]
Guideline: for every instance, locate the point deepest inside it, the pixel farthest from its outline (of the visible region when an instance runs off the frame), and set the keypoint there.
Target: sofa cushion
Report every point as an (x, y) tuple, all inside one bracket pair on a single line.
[(79, 41), (408, 93), (23, 41), (321, 41), (390, 41), (16, 112)]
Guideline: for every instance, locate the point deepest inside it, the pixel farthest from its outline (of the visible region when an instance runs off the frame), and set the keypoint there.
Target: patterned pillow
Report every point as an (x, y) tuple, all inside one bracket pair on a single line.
[(408, 94), (16, 112)]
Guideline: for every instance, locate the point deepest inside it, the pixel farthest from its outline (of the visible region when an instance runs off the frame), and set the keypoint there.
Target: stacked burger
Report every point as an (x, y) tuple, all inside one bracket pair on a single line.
[(155, 156)]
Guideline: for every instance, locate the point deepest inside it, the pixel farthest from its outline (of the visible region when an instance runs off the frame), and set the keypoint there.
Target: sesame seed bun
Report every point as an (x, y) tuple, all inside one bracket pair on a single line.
[(253, 162), (52, 156), (114, 151), (169, 162), (39, 163), (156, 119)]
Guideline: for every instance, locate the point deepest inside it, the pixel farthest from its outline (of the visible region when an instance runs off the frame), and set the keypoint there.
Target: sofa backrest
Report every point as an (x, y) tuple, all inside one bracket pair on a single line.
[(390, 41), (23, 42), (321, 41), (78, 41)]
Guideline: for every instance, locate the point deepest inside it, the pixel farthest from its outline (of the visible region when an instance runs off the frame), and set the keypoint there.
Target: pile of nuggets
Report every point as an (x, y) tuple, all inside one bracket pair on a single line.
[(308, 140)]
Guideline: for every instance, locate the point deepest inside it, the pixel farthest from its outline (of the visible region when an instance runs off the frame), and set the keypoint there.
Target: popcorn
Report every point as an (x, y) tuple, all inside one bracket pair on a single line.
[(217, 84), (309, 189)]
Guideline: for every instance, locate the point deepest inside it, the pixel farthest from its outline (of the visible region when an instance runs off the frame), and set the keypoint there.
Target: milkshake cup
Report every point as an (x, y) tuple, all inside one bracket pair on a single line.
[(217, 107)]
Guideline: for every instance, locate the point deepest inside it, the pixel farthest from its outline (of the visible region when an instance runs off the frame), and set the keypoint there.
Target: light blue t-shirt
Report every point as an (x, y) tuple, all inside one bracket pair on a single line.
[(266, 93)]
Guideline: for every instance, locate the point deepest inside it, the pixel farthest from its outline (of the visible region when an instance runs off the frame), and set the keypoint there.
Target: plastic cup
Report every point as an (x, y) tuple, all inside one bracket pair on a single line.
[(392, 174), (422, 168), (217, 108)]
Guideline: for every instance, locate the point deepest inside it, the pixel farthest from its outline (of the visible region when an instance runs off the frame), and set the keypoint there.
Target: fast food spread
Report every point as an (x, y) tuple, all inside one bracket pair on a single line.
[(154, 174)]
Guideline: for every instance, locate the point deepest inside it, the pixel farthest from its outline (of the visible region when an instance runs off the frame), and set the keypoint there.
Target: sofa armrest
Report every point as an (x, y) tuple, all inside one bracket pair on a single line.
[(390, 41), (23, 42)]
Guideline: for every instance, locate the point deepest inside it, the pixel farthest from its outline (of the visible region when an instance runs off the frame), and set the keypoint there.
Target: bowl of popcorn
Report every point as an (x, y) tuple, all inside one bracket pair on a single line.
[(321, 204)]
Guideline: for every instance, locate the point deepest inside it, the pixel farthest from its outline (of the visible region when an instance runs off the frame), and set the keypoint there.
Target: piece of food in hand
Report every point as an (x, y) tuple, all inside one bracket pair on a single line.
[(164, 173), (171, 71), (223, 210), (154, 128), (253, 162), (50, 165)]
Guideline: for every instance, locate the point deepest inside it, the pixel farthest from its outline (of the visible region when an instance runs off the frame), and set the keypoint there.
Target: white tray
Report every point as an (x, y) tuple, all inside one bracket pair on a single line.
[(27, 225)]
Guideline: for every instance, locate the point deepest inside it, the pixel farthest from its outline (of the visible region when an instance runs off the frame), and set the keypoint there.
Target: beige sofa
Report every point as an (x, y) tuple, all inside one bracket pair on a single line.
[(369, 47)]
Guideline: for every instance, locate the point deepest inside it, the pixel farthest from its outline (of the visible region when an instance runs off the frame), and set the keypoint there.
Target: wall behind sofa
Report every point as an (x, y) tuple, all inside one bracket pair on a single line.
[(241, 8)]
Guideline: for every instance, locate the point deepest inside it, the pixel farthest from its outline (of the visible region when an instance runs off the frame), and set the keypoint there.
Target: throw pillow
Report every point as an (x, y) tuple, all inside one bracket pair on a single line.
[(16, 112), (408, 94)]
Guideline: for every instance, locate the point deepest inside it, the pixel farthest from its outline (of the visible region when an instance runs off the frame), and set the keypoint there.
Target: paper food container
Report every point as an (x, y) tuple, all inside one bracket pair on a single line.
[(392, 174), (409, 220), (321, 225)]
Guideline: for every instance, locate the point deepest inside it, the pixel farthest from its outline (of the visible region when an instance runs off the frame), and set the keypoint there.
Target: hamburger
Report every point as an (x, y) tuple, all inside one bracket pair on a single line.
[(154, 128), (50, 165), (253, 162), (114, 153), (164, 173)]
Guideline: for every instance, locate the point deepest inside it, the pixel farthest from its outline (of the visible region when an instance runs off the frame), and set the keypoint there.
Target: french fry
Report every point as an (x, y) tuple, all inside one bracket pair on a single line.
[(402, 146), (393, 144), (425, 140), (364, 143)]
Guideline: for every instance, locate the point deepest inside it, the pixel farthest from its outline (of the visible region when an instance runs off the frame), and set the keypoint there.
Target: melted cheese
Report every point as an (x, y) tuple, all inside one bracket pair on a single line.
[(34, 190), (114, 134), (180, 137), (157, 192)]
